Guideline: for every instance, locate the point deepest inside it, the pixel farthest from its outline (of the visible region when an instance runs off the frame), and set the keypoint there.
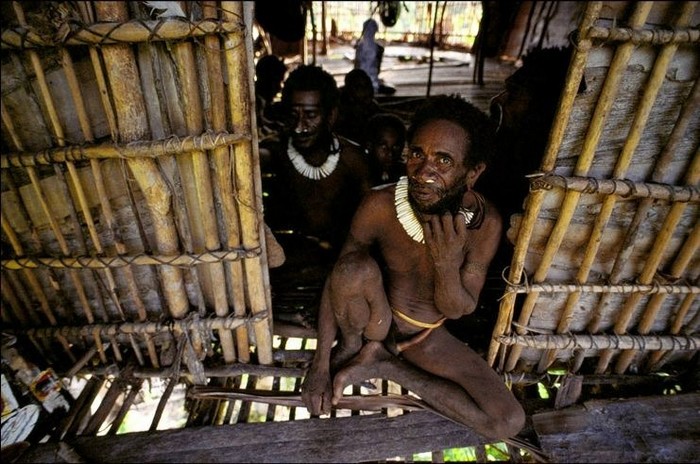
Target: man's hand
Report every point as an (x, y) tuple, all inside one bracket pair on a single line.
[(446, 238), (317, 392)]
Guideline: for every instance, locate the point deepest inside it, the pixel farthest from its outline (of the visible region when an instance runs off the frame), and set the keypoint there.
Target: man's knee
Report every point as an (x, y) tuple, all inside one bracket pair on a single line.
[(355, 269)]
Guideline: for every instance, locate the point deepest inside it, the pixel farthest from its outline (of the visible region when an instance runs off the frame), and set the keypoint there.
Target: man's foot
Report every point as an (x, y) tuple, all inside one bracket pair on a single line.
[(373, 361), (344, 351)]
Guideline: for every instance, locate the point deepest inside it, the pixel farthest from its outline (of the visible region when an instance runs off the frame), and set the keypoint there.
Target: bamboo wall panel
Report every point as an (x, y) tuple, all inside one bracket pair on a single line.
[(637, 123), (125, 164)]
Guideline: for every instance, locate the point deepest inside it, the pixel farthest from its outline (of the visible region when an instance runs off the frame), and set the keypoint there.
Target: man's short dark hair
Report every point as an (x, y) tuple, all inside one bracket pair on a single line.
[(311, 78), (475, 122)]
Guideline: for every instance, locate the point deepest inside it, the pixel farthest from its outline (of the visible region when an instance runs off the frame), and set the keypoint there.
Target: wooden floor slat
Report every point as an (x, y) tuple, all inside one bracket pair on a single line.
[(347, 439), (650, 429)]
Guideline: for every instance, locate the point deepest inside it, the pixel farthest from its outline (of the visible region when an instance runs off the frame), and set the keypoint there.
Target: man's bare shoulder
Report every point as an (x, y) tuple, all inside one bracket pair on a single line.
[(381, 196)]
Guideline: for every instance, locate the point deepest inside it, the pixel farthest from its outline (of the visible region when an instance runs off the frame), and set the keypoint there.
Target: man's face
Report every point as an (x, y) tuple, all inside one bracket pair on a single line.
[(435, 166), (307, 119)]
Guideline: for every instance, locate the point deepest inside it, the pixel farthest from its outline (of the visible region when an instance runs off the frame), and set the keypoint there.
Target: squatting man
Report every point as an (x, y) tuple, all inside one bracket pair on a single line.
[(417, 254)]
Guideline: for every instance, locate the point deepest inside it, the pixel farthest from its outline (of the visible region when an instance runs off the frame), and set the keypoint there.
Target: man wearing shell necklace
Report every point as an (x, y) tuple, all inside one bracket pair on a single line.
[(320, 177), (416, 254)]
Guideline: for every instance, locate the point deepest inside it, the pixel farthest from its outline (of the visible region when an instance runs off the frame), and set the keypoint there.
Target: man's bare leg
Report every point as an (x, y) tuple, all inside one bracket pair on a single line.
[(445, 396), (359, 305)]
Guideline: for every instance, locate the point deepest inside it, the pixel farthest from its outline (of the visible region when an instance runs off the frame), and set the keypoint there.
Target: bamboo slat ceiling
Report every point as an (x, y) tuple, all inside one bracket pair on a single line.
[(131, 198), (605, 272)]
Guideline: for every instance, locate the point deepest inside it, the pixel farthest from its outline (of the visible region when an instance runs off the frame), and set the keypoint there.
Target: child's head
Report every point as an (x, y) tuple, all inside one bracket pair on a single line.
[(386, 136)]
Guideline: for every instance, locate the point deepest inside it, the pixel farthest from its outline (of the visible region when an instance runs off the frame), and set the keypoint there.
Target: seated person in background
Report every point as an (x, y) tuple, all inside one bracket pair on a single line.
[(319, 178), (269, 75), (385, 140), (417, 254), (357, 105)]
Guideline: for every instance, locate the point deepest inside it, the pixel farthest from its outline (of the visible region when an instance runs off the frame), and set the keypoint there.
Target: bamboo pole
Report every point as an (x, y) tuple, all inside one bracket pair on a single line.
[(131, 118), (32, 280), (618, 187), (653, 85), (677, 35), (115, 390), (115, 32), (655, 361), (201, 211), (664, 158), (239, 62), (125, 328), (651, 289), (161, 404), (18, 287), (9, 296), (583, 164), (55, 125), (173, 145), (534, 202), (223, 182), (126, 404), (599, 342), (88, 15), (650, 268), (104, 262)]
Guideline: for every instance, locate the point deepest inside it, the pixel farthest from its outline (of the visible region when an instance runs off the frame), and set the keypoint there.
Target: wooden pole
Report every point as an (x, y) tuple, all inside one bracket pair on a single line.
[(657, 76), (585, 159), (133, 125), (239, 62), (224, 183), (534, 203)]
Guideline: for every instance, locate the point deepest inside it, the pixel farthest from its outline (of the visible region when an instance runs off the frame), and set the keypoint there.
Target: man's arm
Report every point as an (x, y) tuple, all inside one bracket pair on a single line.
[(461, 258)]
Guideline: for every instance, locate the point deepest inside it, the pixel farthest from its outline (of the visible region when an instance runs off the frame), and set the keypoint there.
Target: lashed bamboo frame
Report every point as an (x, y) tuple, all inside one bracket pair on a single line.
[(577, 184), (235, 268)]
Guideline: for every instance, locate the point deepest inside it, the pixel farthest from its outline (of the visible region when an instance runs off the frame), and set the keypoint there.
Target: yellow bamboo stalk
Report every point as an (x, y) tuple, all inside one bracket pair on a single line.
[(656, 359), (24, 298), (678, 133), (36, 287), (652, 289), (587, 342), (645, 36), (132, 122), (9, 296), (55, 124), (573, 79), (223, 182), (656, 79), (534, 202), (132, 288), (585, 159), (239, 62), (650, 267), (202, 213), (104, 262), (147, 327), (140, 149), (104, 33), (618, 187)]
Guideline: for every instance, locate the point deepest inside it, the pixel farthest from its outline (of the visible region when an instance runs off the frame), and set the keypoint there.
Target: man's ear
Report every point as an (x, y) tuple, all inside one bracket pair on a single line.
[(332, 117), (474, 173)]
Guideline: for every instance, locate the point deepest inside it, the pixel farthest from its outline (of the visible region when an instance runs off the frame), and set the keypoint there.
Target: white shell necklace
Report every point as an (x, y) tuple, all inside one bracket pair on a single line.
[(407, 216), (315, 172)]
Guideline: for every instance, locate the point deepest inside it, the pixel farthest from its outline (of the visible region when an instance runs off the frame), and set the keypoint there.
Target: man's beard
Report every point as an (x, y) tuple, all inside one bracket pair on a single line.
[(450, 199)]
